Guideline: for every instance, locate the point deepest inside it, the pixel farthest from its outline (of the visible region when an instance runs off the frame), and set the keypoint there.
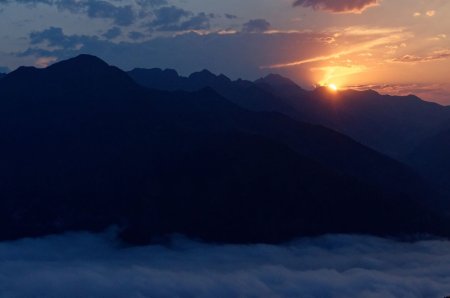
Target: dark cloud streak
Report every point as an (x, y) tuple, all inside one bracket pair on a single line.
[(338, 6), (256, 26)]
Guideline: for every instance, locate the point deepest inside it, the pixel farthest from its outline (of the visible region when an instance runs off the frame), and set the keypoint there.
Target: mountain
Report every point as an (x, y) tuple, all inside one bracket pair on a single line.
[(84, 147), (2, 75), (390, 124), (431, 159), (241, 92)]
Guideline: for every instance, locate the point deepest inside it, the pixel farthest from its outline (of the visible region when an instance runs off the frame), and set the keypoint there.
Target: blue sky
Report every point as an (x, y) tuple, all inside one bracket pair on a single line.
[(393, 46)]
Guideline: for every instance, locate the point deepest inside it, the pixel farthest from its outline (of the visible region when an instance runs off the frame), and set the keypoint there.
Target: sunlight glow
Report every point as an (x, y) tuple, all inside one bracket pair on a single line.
[(333, 87)]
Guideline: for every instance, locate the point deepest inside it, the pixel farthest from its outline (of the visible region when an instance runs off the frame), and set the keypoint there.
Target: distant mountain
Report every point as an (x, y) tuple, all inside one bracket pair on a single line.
[(244, 93), (2, 75), (390, 124), (85, 147)]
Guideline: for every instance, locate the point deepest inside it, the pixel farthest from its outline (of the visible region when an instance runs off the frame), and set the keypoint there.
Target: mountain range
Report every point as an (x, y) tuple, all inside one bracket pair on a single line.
[(85, 145), (389, 124), (398, 126)]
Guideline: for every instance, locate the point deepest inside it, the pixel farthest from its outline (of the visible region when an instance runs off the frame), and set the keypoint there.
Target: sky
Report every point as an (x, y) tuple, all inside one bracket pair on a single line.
[(393, 46)]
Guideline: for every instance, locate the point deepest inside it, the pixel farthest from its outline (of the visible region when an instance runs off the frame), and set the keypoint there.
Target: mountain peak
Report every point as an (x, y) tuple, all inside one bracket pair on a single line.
[(82, 73), (81, 61), (276, 80), (204, 74)]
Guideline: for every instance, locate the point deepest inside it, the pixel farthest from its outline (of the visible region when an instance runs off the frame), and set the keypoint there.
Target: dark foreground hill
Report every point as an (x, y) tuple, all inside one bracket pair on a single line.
[(84, 147)]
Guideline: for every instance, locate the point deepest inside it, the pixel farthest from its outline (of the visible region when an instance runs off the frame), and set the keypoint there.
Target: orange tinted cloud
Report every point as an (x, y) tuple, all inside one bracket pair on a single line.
[(356, 48), (438, 55), (43, 62)]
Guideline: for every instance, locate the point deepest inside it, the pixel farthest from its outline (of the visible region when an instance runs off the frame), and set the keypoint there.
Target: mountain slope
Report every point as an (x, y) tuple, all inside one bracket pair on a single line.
[(84, 147), (390, 124), (431, 159)]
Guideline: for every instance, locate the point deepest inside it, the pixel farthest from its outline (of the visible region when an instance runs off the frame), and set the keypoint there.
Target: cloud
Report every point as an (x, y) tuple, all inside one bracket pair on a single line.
[(112, 33), (88, 265), (172, 18), (437, 55), (55, 37), (257, 25), (135, 35), (355, 48), (43, 62), (212, 51), (130, 12), (122, 15), (230, 16), (428, 13), (152, 3), (338, 6), (4, 69)]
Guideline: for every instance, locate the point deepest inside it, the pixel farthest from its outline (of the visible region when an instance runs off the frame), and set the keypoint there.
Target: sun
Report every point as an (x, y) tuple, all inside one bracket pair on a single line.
[(333, 87)]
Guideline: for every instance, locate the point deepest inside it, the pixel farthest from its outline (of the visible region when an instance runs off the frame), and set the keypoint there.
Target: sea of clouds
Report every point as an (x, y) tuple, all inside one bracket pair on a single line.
[(90, 265)]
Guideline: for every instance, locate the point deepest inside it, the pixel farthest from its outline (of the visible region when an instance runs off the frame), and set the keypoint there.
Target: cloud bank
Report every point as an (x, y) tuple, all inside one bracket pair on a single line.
[(338, 6), (126, 13), (87, 265)]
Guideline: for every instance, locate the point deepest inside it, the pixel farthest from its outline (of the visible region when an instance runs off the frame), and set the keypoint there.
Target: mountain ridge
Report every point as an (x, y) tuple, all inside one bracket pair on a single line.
[(101, 150), (390, 124)]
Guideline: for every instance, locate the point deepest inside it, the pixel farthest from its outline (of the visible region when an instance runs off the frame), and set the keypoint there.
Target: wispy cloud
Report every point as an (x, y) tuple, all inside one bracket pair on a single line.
[(437, 55), (355, 48)]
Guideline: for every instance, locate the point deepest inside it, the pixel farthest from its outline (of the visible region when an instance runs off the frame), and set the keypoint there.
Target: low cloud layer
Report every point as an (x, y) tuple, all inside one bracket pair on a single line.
[(87, 265), (341, 6)]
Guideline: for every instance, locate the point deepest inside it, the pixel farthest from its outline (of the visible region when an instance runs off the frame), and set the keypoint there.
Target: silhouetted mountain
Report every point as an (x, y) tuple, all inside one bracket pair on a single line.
[(390, 124), (431, 159), (2, 75), (84, 147), (284, 87), (244, 93)]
